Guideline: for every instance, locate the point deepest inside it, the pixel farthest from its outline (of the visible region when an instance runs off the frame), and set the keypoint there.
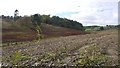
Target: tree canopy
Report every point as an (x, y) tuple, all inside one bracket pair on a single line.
[(57, 21), (36, 19)]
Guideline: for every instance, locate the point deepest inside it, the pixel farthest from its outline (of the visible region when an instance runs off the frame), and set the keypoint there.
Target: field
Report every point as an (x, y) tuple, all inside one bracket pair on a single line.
[(98, 48), (17, 34)]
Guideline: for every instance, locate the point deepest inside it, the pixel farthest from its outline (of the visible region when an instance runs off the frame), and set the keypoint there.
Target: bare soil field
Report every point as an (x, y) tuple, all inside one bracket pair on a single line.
[(99, 48), (17, 35)]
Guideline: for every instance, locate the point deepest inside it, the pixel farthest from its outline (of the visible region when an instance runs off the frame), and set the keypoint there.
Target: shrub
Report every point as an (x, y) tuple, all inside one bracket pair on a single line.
[(101, 28), (16, 58)]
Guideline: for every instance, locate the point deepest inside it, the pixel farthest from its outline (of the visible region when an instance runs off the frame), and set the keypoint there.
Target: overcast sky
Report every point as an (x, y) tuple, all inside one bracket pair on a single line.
[(88, 12)]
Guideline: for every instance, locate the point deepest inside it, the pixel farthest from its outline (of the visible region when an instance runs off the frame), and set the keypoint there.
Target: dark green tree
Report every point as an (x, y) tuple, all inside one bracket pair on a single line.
[(46, 19), (36, 19)]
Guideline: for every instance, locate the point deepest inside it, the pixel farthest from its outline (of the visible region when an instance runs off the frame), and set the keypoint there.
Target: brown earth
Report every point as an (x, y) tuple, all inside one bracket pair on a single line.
[(15, 35), (65, 50)]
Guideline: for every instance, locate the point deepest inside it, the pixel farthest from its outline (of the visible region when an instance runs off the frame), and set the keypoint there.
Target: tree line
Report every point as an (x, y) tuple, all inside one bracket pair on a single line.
[(54, 20), (57, 21)]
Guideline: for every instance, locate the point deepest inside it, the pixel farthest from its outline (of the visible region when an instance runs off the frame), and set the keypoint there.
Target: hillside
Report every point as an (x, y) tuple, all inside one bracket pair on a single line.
[(12, 32), (53, 31), (62, 45)]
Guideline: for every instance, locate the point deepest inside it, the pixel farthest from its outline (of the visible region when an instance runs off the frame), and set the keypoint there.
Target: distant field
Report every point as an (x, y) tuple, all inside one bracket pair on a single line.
[(14, 35), (10, 34), (100, 48)]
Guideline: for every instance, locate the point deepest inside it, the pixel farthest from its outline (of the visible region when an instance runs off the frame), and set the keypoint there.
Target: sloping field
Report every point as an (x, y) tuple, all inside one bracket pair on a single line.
[(55, 31), (20, 33), (100, 48)]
